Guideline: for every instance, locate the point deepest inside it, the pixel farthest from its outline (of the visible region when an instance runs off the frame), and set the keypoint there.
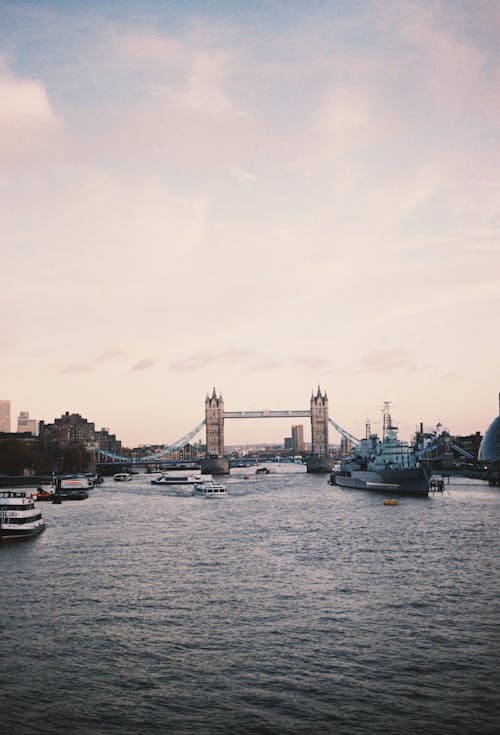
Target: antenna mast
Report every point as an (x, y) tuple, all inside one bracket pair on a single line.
[(386, 413)]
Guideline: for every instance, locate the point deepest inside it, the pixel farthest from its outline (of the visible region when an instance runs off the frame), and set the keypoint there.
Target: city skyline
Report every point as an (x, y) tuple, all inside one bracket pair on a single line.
[(256, 197)]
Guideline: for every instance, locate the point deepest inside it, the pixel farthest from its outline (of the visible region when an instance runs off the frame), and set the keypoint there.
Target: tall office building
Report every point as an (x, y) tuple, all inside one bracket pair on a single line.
[(298, 445), (25, 425), (5, 416)]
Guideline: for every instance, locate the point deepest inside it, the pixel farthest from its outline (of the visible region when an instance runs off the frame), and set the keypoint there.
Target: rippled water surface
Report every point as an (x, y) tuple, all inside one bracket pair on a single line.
[(287, 607)]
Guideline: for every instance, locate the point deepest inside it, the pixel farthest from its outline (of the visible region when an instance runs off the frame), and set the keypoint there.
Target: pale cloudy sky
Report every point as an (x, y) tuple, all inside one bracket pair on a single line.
[(260, 196)]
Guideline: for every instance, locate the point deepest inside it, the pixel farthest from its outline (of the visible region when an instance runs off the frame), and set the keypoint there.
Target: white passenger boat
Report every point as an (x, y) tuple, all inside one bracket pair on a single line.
[(20, 519), (122, 477), (177, 480), (209, 488)]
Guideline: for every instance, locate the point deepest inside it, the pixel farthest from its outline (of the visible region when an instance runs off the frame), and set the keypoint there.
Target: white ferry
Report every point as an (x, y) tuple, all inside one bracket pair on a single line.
[(177, 480), (209, 488), (19, 518)]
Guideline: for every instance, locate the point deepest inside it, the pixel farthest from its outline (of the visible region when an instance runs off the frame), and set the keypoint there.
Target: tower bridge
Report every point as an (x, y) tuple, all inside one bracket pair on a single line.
[(216, 462), (215, 415)]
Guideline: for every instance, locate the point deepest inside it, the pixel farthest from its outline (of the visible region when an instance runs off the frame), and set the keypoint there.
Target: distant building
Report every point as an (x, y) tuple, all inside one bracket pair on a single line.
[(345, 446), (5, 416), (25, 425), (469, 444), (189, 452), (490, 449), (108, 441), (288, 442), (71, 428), (298, 445)]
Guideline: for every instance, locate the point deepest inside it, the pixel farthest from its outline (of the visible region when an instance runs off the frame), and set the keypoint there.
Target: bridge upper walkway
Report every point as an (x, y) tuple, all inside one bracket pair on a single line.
[(264, 414)]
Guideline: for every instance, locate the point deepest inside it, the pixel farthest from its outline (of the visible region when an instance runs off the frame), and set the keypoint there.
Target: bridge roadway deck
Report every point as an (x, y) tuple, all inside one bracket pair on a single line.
[(265, 414)]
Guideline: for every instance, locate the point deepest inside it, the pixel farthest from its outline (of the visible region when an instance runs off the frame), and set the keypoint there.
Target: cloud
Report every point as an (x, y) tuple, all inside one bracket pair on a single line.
[(264, 364), (313, 362), (76, 367), (251, 360), (144, 364), (193, 362), (110, 355), (28, 123), (390, 360)]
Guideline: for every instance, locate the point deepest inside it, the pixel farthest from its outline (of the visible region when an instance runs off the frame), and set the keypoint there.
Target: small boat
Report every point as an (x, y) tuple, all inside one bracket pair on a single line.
[(122, 477), (390, 501), (262, 471), (19, 518), (209, 488), (44, 492), (177, 480)]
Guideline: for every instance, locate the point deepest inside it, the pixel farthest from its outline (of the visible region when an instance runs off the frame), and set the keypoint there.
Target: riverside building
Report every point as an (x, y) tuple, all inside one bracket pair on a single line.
[(5, 416), (25, 425)]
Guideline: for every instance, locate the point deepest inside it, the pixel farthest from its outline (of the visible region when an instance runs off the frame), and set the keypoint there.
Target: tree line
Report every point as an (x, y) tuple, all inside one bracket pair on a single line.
[(21, 457)]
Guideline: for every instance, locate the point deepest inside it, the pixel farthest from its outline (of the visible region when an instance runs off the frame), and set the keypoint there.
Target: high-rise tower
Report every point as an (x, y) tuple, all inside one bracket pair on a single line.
[(5, 416), (298, 445)]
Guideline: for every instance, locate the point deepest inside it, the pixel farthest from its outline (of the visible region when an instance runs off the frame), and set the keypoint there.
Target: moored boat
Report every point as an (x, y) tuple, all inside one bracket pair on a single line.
[(20, 519), (44, 492), (70, 494), (64, 488), (209, 488), (389, 465)]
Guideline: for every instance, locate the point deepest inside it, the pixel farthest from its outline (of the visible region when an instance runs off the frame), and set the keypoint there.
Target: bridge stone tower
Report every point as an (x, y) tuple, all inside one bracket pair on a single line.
[(214, 421), (320, 461), (214, 463)]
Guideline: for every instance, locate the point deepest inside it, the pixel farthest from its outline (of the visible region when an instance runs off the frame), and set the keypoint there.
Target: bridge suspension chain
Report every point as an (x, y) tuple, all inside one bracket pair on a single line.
[(160, 453), (344, 433), (176, 445), (435, 446)]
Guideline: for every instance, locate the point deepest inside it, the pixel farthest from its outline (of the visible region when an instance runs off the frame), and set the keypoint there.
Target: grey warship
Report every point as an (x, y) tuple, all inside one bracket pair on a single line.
[(387, 465)]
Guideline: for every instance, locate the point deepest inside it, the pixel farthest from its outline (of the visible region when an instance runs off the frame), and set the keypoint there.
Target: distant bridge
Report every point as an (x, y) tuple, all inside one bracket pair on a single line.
[(215, 416), (436, 446)]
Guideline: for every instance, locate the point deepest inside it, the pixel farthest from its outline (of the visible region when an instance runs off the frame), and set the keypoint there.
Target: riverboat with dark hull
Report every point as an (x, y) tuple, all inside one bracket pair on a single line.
[(389, 465), (20, 519), (402, 482), (177, 480)]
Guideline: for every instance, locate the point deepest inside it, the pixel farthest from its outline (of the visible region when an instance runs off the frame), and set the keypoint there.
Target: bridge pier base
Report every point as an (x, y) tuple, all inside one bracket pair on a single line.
[(319, 464), (214, 467)]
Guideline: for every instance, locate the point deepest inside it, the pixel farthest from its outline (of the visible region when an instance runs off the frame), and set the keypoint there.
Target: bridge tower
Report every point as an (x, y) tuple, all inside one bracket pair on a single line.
[(214, 462), (319, 462), (214, 418), (319, 424)]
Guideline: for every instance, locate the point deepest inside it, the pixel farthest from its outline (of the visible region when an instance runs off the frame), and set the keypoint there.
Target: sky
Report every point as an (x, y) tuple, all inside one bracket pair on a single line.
[(260, 197)]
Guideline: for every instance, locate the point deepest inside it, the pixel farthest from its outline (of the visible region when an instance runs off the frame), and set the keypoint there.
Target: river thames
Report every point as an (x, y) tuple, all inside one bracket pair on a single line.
[(289, 606)]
